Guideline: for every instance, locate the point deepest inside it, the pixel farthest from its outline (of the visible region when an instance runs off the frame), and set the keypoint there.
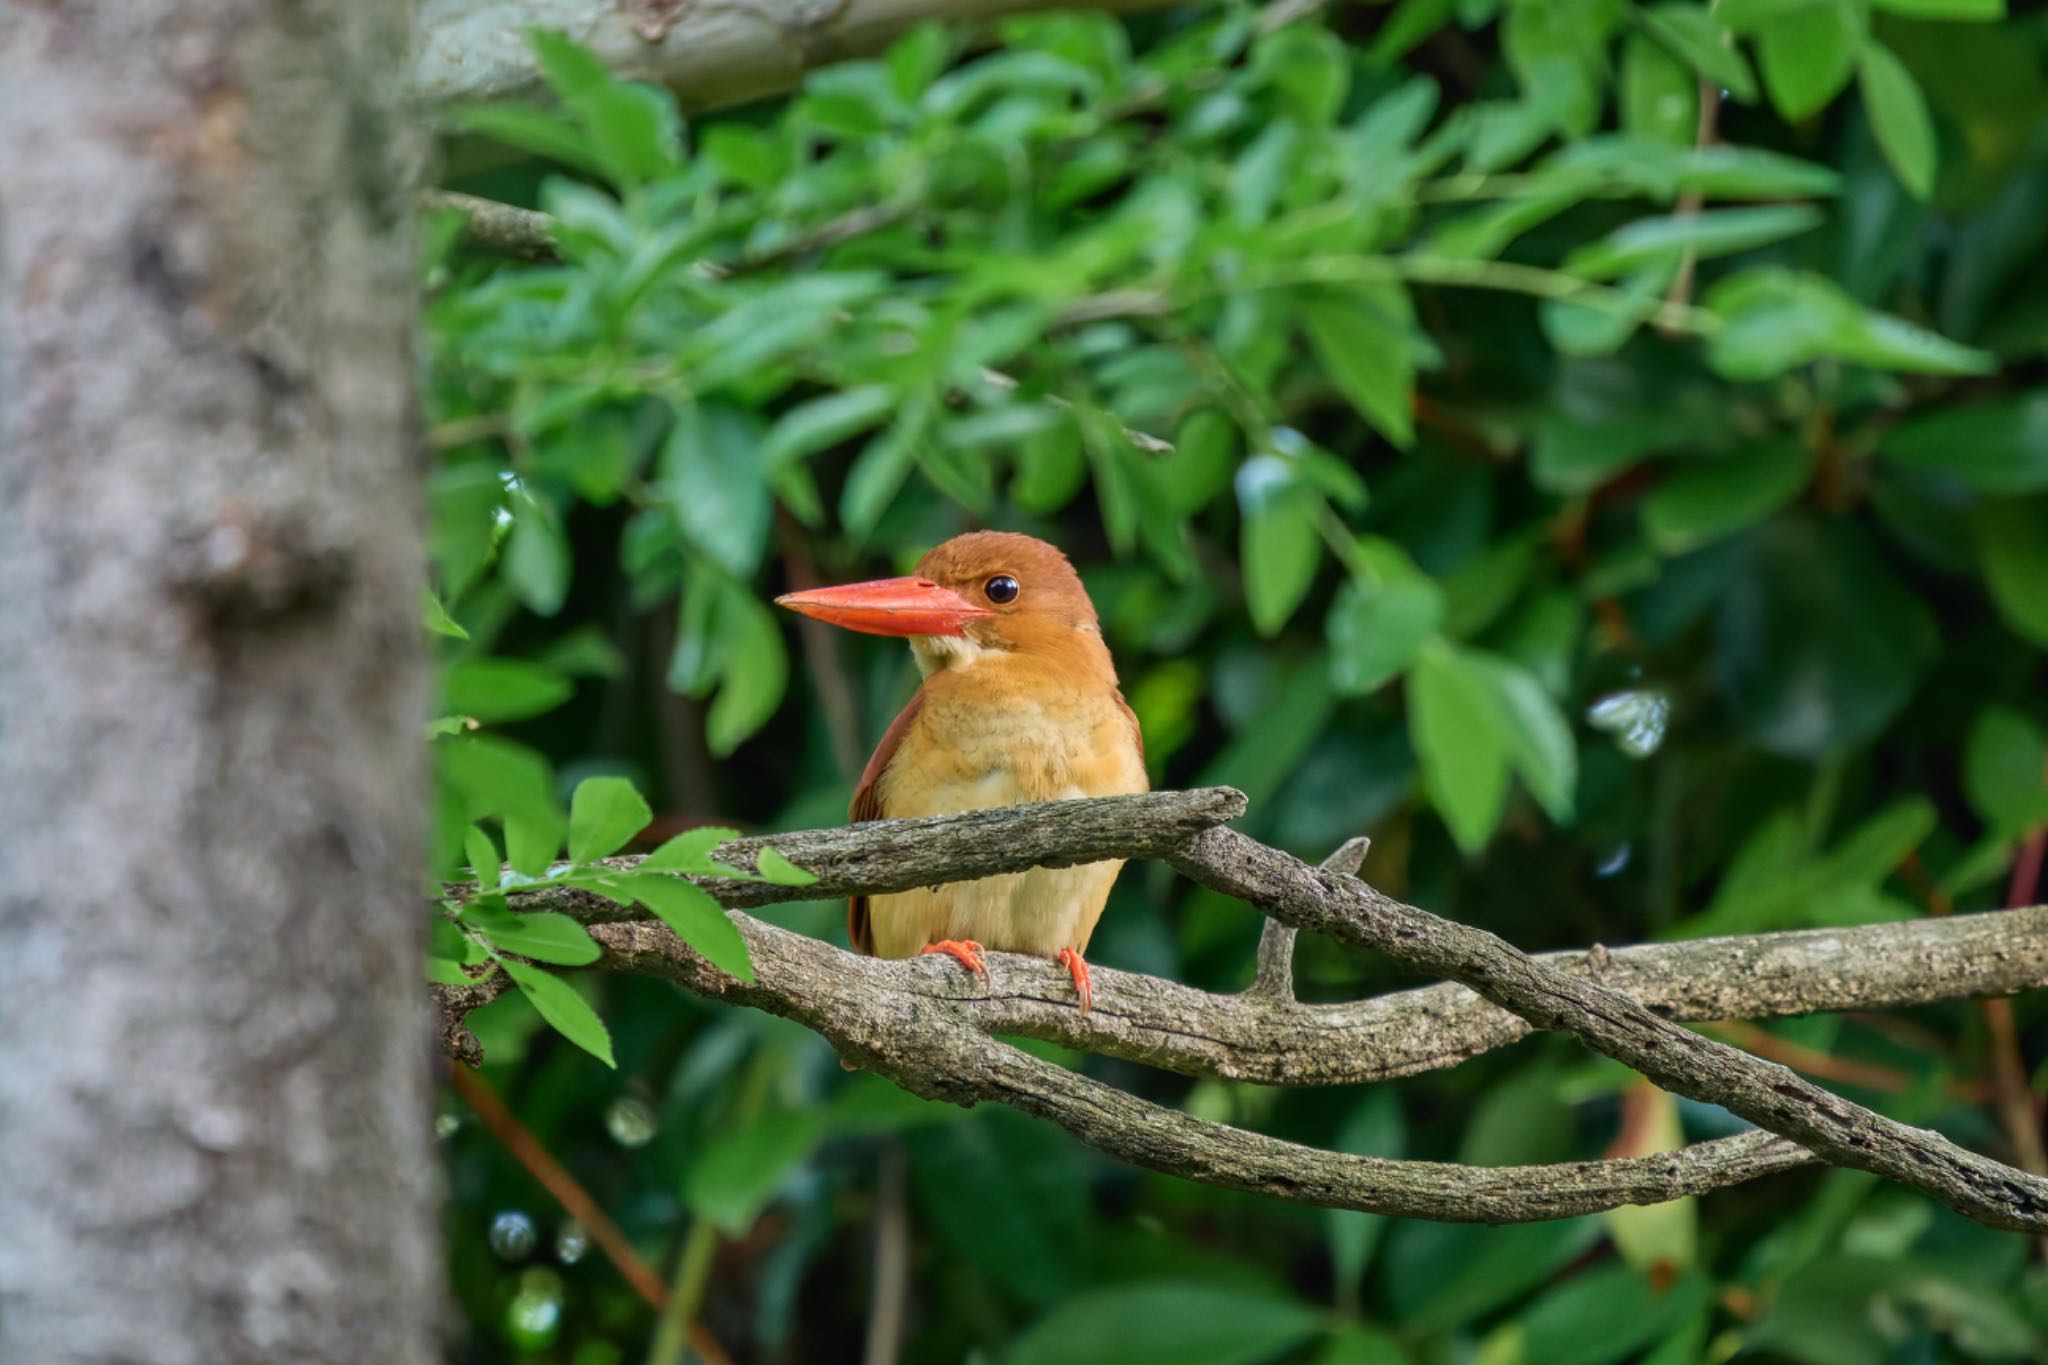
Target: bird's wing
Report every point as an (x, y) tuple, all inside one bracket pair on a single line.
[(867, 805), (1137, 731)]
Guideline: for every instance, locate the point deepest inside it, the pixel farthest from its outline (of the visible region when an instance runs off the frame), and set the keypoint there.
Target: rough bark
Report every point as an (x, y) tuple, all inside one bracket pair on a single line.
[(1607, 1020), (711, 52), (214, 1100), (934, 1030)]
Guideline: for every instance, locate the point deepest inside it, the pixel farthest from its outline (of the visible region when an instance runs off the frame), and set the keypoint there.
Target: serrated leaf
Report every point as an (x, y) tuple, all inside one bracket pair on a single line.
[(1898, 118), (603, 814), (556, 1001), (543, 935), (690, 851), (773, 868), (697, 919), (531, 841)]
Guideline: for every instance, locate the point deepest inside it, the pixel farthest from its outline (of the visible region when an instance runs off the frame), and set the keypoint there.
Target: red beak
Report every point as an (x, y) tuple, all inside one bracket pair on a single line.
[(888, 606)]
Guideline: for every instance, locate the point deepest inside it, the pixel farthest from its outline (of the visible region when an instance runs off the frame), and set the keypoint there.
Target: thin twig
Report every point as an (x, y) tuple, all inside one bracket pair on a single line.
[(553, 1177)]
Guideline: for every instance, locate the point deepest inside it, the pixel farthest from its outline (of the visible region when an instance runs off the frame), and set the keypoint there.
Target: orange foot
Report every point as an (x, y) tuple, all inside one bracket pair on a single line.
[(964, 951), (1083, 987)]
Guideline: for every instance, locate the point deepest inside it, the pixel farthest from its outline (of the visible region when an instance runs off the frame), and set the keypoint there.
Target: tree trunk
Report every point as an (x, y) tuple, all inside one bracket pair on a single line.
[(214, 1078)]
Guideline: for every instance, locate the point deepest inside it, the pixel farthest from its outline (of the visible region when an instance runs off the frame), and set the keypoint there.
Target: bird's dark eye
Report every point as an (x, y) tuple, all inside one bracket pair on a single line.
[(1001, 590)]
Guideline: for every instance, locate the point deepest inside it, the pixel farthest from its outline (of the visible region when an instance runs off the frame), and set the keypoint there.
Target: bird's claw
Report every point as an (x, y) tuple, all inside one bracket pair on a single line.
[(1078, 969), (964, 951)]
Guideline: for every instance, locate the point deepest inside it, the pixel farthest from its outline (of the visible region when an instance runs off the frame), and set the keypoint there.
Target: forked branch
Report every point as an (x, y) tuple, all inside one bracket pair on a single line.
[(931, 1031)]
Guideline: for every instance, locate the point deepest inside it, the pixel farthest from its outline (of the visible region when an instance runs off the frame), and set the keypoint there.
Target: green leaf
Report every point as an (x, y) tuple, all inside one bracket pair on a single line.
[(1377, 628), (822, 422), (530, 129), (1360, 338), (632, 129), (1691, 33), (1899, 118), (1606, 1315), (756, 671), (1774, 320), (690, 851), (604, 813), (435, 617), (537, 560), (531, 842), (1819, 644), (1707, 498), (504, 689), (1281, 545), (1534, 732), (1714, 232), (1309, 67), (543, 936), (483, 857), (557, 1002), (879, 471), (2012, 545), (2005, 770), (696, 918), (497, 777), (1166, 1323), (1377, 1127), (716, 486), (1452, 722), (1969, 11), (2000, 446), (732, 1177), (1808, 54), (1658, 96), (777, 870)]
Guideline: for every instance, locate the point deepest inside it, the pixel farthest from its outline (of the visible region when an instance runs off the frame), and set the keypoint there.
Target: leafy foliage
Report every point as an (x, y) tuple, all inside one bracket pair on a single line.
[(1592, 447)]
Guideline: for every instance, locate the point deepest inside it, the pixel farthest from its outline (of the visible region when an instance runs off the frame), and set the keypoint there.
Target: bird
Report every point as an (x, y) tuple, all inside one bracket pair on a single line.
[(1018, 703)]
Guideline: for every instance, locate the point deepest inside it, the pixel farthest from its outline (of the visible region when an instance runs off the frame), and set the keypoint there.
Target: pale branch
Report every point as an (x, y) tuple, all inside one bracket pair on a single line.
[(1609, 1021), (711, 52), (527, 234), (916, 1022), (929, 1028)]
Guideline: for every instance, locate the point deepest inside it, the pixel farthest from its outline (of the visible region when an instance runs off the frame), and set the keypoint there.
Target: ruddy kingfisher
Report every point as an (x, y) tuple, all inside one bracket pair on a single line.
[(1019, 703)]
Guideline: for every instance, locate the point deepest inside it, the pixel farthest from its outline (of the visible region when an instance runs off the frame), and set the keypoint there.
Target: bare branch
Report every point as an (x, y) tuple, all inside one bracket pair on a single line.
[(1610, 1022), (711, 52), (931, 1030), (915, 1022)]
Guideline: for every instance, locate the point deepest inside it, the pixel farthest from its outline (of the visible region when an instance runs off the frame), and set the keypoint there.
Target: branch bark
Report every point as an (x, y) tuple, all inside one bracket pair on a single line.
[(930, 1029), (711, 52), (1610, 1022)]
